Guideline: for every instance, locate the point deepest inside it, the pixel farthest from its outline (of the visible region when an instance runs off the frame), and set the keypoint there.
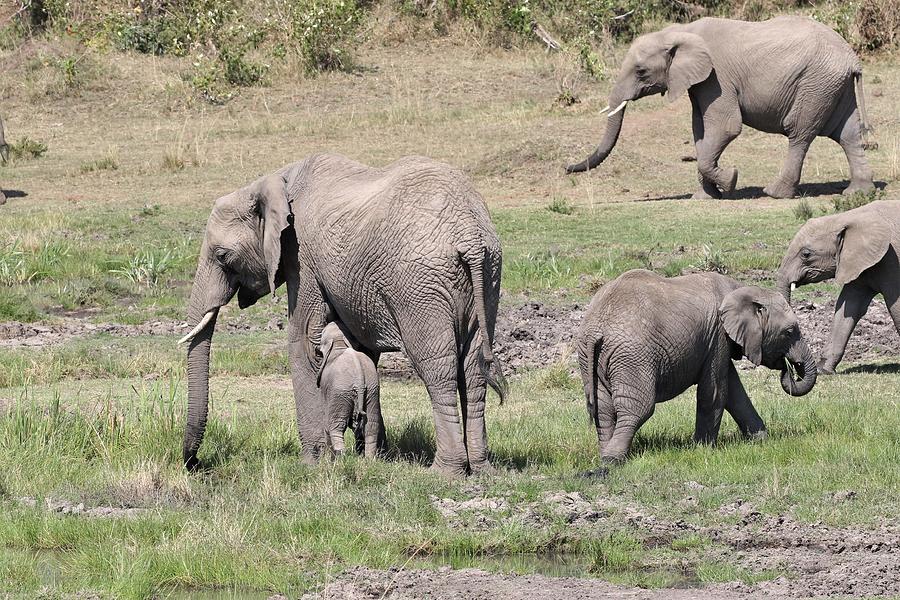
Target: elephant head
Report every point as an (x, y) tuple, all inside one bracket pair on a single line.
[(841, 246), (765, 329), (670, 61), (240, 254), (4, 148)]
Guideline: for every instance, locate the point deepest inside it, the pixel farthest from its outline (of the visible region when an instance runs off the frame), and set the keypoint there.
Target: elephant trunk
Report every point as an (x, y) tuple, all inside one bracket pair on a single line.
[(801, 358), (198, 366), (610, 136), (784, 287)]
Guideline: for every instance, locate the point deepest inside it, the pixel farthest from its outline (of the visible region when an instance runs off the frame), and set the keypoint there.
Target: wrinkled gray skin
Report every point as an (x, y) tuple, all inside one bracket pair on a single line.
[(857, 248), (348, 382), (646, 339), (788, 75), (4, 156), (405, 257)]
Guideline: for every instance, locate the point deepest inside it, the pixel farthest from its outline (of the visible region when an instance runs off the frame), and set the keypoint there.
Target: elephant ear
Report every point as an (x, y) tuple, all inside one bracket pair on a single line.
[(274, 210), (742, 314), (690, 62), (862, 243)]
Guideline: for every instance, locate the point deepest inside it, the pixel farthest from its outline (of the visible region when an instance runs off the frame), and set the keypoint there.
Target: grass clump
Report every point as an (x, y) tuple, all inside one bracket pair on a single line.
[(856, 199), (561, 206), (107, 163), (802, 210), (27, 148), (711, 259)]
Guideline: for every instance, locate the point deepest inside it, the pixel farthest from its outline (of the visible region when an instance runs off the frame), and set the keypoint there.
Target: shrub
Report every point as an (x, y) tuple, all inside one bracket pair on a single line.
[(321, 31), (27, 148), (561, 206), (856, 199)]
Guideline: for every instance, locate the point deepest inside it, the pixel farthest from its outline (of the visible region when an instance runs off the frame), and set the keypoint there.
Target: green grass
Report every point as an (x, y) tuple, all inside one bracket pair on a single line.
[(258, 518)]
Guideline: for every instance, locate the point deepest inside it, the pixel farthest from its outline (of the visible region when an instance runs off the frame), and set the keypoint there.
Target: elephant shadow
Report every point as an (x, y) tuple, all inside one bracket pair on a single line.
[(13, 193), (875, 369), (807, 190)]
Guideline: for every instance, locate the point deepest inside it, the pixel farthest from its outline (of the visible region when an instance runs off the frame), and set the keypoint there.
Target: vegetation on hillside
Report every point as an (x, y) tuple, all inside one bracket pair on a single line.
[(235, 43)]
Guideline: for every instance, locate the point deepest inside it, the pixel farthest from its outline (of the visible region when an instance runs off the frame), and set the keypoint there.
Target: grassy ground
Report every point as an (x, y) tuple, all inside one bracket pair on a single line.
[(107, 225)]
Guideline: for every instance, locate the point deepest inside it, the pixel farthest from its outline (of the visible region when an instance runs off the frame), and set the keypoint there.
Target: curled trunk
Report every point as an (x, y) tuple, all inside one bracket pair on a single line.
[(801, 359), (198, 369), (610, 136), (783, 285)]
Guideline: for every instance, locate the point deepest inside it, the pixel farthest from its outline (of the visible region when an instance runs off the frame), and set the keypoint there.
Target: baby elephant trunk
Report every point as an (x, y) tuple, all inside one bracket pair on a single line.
[(799, 360)]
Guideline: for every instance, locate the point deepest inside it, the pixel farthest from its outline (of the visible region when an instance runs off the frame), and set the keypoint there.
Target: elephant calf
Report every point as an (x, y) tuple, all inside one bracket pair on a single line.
[(858, 248), (348, 382), (646, 339)]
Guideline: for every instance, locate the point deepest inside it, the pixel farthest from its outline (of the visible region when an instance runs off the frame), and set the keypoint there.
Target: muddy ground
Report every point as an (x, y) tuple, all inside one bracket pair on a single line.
[(530, 334), (818, 561)]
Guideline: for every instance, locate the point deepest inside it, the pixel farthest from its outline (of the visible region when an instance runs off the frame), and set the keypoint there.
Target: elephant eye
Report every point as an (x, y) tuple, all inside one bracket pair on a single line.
[(805, 253), (222, 256)]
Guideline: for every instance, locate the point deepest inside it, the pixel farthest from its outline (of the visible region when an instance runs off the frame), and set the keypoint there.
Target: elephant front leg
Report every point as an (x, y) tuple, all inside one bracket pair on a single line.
[(852, 304), (712, 390), (306, 322), (714, 129), (741, 409)]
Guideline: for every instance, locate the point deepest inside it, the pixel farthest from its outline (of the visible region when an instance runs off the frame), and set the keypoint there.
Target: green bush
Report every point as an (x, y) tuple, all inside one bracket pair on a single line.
[(321, 31)]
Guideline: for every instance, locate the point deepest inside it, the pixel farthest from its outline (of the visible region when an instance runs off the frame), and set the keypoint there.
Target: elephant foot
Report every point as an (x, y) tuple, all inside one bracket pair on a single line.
[(780, 190), (757, 436), (730, 179), (483, 468), (598, 473), (449, 470), (858, 186)]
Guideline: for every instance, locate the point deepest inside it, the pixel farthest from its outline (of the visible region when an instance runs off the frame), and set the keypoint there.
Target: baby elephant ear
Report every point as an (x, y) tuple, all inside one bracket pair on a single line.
[(274, 211), (742, 315)]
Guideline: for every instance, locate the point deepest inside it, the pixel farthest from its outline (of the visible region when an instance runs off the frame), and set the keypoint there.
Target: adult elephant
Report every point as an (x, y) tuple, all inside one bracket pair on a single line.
[(788, 75), (4, 156), (404, 257), (857, 248), (646, 339)]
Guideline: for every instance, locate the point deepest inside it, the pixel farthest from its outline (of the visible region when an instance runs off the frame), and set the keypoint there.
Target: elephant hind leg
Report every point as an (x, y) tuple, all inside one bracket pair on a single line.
[(472, 399), (788, 181), (849, 135), (632, 408), (433, 354)]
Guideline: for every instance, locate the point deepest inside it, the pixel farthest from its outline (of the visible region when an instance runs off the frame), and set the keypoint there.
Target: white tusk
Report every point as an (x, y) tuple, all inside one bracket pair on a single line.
[(603, 110), (618, 108), (203, 323), (793, 286)]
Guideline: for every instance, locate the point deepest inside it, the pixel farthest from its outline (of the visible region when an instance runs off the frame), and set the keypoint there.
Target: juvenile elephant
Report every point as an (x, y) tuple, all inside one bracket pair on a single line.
[(788, 75), (348, 381), (403, 256), (646, 339), (858, 248)]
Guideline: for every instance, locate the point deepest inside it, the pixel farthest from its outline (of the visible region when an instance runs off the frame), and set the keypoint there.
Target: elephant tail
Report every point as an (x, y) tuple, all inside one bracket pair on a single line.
[(587, 355), (863, 116), (490, 367), (362, 390)]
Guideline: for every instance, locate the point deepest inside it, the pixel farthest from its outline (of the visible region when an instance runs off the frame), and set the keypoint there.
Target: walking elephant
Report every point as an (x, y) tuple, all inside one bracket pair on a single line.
[(789, 75), (857, 248), (646, 339), (348, 381), (405, 257)]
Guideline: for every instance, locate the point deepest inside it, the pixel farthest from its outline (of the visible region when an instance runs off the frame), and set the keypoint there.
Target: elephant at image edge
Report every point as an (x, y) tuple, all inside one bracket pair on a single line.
[(788, 75), (4, 156), (404, 257), (646, 339), (858, 248), (348, 382)]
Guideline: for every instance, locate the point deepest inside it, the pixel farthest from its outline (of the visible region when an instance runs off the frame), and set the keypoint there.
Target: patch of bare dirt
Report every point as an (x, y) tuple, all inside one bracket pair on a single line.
[(362, 583), (529, 335), (65, 507)]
